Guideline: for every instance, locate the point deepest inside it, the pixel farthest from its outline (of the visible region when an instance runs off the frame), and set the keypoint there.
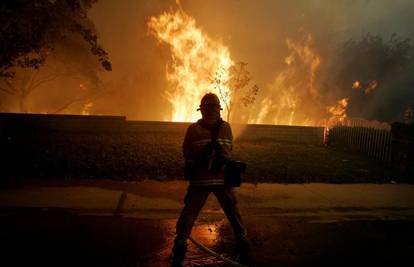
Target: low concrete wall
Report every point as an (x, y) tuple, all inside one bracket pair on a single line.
[(18, 122)]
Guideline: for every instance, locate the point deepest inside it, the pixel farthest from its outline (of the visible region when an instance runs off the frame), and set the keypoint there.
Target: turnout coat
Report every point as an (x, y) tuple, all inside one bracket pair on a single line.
[(198, 136)]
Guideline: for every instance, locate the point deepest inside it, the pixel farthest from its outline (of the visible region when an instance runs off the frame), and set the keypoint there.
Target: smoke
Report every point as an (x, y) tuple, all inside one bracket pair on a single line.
[(255, 32)]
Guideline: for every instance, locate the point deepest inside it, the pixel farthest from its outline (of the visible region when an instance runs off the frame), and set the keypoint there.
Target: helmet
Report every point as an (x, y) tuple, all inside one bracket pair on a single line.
[(210, 99)]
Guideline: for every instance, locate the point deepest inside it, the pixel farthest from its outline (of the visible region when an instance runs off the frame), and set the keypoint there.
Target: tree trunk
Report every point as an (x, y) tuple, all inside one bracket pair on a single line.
[(22, 103)]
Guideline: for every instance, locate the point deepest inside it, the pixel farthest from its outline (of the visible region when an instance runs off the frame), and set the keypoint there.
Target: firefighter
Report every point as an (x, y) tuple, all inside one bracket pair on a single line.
[(204, 165)]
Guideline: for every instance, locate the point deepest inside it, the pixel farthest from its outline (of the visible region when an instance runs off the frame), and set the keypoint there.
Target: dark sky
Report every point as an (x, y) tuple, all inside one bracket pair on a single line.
[(254, 31)]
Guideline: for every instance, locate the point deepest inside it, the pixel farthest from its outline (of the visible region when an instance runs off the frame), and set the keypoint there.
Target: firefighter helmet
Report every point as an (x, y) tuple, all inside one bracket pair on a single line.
[(210, 100)]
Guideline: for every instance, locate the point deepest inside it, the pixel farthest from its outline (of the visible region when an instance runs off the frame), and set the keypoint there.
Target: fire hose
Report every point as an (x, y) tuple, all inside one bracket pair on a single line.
[(214, 254), (118, 210)]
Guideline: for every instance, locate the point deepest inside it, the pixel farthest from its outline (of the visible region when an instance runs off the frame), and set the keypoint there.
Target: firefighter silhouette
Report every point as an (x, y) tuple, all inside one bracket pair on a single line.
[(206, 147)]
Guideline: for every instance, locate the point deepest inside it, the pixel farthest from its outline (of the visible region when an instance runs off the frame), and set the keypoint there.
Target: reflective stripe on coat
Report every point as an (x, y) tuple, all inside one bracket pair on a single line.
[(195, 141)]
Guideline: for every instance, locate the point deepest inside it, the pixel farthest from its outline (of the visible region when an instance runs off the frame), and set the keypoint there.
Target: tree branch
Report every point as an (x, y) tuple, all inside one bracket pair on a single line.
[(65, 106), (7, 91), (33, 78), (10, 85), (80, 99), (44, 80)]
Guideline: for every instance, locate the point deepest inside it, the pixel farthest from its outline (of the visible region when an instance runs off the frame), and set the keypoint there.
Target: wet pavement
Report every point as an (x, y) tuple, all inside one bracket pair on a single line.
[(93, 225)]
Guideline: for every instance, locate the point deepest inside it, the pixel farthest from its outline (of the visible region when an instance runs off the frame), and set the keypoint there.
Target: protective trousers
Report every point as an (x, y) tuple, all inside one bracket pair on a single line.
[(194, 201)]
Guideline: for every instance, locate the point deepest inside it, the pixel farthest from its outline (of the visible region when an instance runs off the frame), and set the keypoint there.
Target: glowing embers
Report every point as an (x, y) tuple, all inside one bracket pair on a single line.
[(370, 87), (195, 59), (356, 85)]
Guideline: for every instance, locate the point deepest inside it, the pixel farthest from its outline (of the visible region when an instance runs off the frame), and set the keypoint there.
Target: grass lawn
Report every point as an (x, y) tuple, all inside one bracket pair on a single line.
[(138, 155)]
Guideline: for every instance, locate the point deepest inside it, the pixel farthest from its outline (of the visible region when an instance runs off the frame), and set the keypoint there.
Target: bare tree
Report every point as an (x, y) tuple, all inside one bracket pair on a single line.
[(25, 81), (234, 87)]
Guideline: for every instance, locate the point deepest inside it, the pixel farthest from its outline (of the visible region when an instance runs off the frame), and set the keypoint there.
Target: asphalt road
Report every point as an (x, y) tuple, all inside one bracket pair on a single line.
[(106, 223)]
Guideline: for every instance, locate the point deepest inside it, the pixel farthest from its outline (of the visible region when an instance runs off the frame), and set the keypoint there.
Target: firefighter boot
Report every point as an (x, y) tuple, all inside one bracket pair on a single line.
[(178, 252)]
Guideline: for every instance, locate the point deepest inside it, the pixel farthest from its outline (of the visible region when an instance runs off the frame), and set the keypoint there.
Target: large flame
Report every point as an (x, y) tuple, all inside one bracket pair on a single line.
[(283, 103), (196, 58), (201, 64)]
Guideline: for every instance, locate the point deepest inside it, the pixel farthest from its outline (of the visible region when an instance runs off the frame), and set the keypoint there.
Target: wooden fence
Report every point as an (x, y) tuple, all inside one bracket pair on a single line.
[(376, 143)]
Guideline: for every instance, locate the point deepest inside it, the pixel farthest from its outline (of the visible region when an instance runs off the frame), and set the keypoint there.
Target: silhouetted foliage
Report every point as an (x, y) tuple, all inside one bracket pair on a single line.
[(373, 59), (376, 74), (29, 30), (240, 92)]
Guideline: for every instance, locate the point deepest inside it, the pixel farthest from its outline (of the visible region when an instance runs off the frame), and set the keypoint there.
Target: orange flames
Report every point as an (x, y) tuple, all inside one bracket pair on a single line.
[(283, 103), (338, 112), (371, 86), (195, 59), (87, 108), (356, 85)]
